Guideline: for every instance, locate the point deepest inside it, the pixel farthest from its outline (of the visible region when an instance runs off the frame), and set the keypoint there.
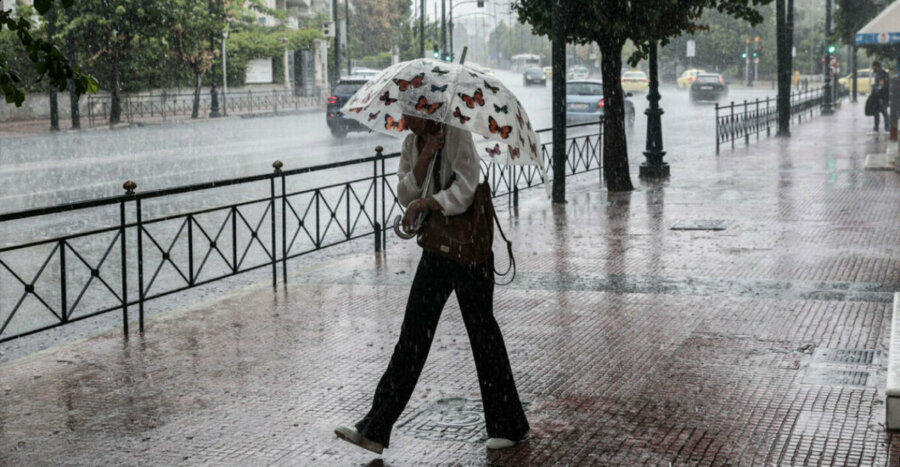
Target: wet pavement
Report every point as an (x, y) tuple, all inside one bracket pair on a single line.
[(736, 315)]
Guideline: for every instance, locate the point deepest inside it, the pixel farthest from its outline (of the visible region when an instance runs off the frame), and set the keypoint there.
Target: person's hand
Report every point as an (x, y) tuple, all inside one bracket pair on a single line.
[(412, 213)]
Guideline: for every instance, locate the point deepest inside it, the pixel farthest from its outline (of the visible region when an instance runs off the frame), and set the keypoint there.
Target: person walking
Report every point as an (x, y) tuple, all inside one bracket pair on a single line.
[(458, 170), (881, 92)]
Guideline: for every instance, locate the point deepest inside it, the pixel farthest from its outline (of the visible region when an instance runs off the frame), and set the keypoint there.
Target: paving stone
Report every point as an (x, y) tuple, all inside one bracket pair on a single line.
[(631, 343)]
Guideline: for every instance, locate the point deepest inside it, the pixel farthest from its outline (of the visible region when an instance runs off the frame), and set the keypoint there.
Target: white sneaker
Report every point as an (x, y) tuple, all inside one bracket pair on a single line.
[(503, 443), (350, 435)]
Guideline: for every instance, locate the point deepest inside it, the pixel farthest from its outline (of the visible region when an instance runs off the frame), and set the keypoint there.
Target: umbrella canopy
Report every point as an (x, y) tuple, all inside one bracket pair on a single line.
[(884, 29), (452, 94)]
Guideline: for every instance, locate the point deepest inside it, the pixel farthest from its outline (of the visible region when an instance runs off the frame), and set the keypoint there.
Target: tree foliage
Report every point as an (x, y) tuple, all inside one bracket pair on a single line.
[(46, 60), (611, 23), (374, 25)]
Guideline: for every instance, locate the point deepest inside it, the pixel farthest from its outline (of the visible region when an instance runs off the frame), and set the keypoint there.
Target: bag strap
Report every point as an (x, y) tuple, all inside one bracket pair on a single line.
[(511, 269)]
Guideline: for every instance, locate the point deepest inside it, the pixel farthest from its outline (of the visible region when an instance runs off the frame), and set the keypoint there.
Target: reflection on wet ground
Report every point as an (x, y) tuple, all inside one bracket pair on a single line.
[(760, 343)]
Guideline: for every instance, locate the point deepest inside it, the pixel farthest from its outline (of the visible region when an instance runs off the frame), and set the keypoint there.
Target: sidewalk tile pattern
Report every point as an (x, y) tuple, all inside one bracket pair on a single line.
[(632, 343)]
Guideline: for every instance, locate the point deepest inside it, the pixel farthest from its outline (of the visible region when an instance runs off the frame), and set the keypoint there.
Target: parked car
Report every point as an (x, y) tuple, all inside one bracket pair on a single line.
[(534, 75), (337, 124), (577, 73), (863, 81), (548, 70), (585, 103), (635, 81), (687, 78), (708, 87), (363, 72)]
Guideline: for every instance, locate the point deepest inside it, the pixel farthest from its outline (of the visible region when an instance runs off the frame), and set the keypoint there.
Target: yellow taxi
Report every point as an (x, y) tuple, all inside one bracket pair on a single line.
[(635, 81), (688, 77), (863, 81), (548, 70)]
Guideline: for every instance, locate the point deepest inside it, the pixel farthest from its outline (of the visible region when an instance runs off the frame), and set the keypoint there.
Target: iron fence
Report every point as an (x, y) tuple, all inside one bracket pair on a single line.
[(165, 105), (45, 283), (743, 120)]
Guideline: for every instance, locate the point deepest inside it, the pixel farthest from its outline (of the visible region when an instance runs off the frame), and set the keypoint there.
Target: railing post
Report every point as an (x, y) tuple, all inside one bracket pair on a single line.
[(375, 181), (768, 118), (732, 136), (277, 166), (384, 219), (234, 263), (274, 101), (284, 252), (250, 99), (717, 128), (190, 222), (162, 102), (129, 187), (744, 126), (756, 125), (140, 247), (64, 303), (515, 189)]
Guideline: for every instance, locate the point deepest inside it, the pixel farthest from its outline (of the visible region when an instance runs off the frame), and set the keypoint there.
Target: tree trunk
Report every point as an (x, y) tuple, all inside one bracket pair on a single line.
[(615, 147), (115, 106), (195, 111)]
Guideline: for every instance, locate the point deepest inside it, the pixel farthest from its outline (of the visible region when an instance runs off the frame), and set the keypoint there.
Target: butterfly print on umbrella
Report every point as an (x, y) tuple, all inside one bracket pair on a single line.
[(438, 71), (462, 118), (373, 116), (356, 110), (493, 89), (493, 152), (502, 130), (386, 98), (533, 147), (438, 88), (476, 98), (424, 106), (504, 109), (415, 81), (519, 117), (513, 153), (391, 124)]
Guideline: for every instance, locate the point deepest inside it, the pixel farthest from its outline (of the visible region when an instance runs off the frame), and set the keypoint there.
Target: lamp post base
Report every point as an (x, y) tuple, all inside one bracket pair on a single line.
[(660, 170)]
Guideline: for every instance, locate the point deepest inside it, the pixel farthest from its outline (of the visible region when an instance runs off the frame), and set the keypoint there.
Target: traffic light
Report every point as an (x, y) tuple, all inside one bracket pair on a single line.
[(744, 55), (448, 57), (832, 49), (437, 53), (758, 52)]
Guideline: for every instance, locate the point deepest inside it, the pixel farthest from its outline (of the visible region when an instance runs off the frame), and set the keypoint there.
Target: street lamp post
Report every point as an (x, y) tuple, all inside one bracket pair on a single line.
[(224, 72), (654, 165), (827, 108)]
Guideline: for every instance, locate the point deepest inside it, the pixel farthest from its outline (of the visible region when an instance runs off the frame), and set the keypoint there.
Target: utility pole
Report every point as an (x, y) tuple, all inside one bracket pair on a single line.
[(827, 108), (73, 97), (654, 165), (783, 52), (337, 42), (747, 62), (443, 27), (559, 102), (347, 31), (422, 29), (54, 105)]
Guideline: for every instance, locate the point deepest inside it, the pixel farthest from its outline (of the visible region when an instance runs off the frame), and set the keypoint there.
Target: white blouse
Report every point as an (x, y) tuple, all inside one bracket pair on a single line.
[(459, 157)]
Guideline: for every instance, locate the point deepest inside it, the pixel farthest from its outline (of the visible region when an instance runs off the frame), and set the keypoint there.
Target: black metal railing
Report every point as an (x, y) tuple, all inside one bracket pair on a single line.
[(168, 105), (149, 252), (742, 120)]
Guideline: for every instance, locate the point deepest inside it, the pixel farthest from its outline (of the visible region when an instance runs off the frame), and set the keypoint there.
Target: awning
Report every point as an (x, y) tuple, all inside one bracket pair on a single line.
[(884, 29)]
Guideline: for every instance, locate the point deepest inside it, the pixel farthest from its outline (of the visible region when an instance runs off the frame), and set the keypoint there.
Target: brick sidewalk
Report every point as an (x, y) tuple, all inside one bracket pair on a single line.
[(632, 343)]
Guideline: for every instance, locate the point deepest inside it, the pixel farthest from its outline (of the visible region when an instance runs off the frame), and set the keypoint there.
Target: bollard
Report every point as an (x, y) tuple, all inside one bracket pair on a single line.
[(129, 187)]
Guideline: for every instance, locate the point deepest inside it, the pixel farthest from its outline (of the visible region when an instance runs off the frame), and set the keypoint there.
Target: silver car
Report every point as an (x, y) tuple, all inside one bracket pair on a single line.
[(585, 103)]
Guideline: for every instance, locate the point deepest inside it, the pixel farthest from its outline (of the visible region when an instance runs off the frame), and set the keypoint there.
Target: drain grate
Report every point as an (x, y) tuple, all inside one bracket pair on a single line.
[(845, 356), (453, 419), (702, 224), (835, 377)]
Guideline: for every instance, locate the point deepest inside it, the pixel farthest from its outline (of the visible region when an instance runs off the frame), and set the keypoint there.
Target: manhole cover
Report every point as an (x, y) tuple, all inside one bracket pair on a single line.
[(702, 224), (454, 419), (835, 377), (845, 356)]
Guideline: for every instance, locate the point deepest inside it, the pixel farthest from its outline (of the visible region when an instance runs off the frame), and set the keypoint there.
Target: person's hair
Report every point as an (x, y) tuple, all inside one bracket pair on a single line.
[(876, 63)]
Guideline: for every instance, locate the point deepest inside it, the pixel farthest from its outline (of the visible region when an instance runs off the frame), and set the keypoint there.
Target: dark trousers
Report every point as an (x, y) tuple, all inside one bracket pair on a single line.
[(435, 278), (882, 111)]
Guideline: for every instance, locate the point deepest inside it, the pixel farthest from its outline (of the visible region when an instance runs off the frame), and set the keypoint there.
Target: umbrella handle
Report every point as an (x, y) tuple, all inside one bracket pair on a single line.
[(400, 233)]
